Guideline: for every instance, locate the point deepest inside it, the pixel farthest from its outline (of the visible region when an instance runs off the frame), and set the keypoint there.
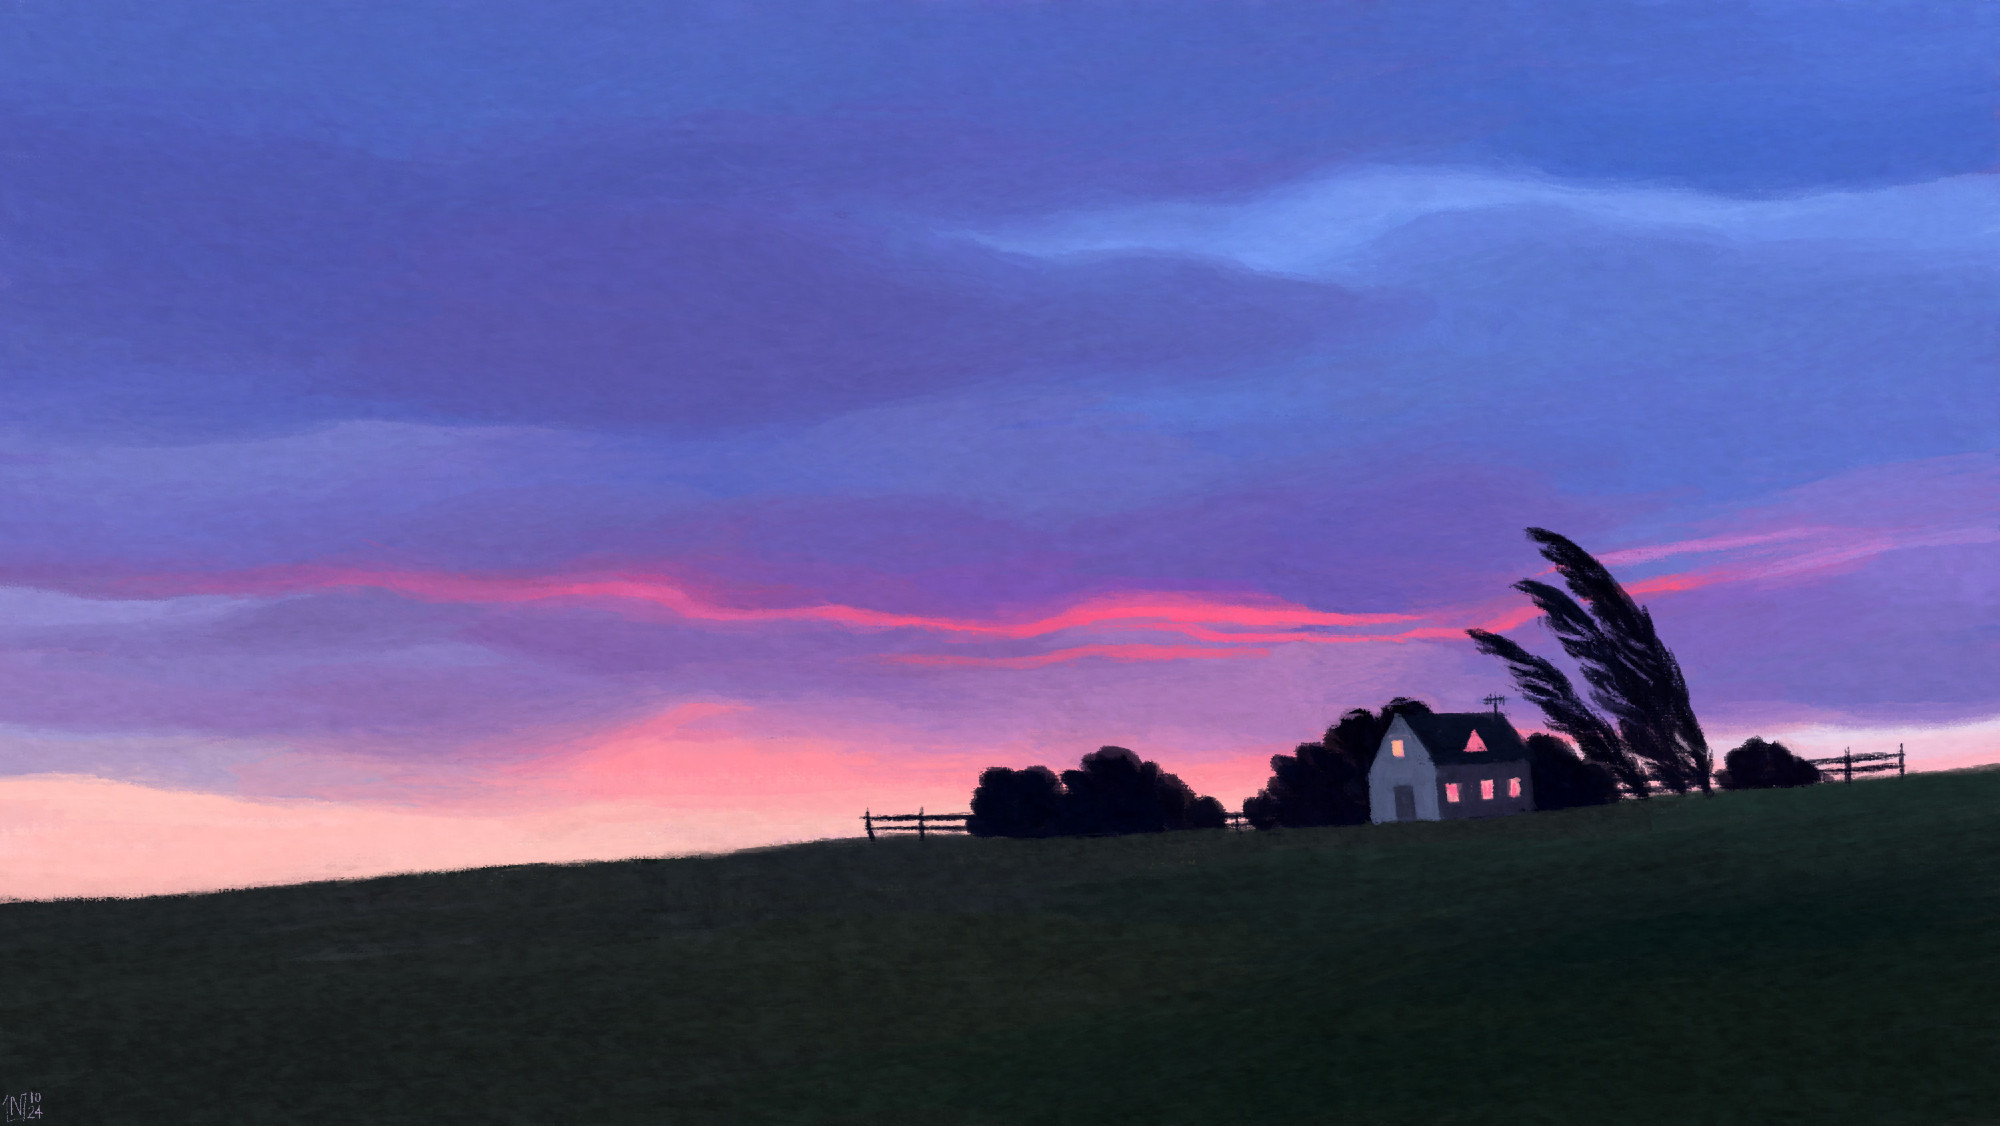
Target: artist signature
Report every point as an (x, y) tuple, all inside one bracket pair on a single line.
[(26, 1105)]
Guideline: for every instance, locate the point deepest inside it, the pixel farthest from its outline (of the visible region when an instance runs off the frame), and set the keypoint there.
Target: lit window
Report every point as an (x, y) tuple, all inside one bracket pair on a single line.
[(1513, 787), (1451, 791), (1396, 747), (1475, 745), (1486, 789)]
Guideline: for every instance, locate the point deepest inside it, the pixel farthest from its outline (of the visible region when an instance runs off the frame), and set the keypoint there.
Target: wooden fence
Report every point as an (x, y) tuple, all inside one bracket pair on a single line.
[(1843, 766), (1838, 768), (921, 823)]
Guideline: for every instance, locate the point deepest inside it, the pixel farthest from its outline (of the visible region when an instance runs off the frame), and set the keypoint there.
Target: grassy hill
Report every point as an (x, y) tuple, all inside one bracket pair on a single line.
[(1814, 956)]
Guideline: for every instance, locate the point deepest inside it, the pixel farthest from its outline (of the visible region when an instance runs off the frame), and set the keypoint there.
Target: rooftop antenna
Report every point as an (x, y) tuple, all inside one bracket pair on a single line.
[(1494, 702)]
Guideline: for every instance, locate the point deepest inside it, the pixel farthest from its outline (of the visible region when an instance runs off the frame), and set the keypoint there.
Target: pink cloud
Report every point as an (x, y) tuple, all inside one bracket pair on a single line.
[(1704, 545), (1833, 549), (1235, 626), (1156, 609), (1077, 653), (1198, 617)]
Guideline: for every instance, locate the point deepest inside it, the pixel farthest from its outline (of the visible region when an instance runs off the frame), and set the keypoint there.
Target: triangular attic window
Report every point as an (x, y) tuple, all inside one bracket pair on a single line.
[(1475, 744)]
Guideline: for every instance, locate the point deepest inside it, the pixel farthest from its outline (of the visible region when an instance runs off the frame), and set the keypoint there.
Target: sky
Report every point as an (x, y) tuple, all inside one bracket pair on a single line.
[(476, 433)]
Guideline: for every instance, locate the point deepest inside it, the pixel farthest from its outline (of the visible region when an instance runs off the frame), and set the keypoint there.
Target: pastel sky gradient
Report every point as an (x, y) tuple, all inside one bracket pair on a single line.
[(501, 432)]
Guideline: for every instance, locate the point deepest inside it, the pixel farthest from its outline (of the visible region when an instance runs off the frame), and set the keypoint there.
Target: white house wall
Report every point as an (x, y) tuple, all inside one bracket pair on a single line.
[(1414, 770)]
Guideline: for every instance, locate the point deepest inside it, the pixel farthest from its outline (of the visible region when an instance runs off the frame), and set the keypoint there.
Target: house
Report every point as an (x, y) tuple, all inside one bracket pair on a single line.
[(1433, 767)]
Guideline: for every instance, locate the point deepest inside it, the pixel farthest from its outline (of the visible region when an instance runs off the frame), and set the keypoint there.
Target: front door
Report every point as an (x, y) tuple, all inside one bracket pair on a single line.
[(1406, 803)]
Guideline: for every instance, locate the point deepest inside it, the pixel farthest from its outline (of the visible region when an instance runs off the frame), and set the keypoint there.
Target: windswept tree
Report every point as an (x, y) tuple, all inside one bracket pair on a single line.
[(1326, 783), (1546, 686), (1632, 675), (1758, 765)]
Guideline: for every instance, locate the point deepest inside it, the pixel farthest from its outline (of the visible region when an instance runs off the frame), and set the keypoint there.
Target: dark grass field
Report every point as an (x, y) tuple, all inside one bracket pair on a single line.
[(1816, 956)]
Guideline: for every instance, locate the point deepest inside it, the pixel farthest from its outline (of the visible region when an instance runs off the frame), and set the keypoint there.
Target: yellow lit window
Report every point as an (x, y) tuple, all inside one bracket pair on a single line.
[(1396, 747), (1486, 789), (1513, 787), (1451, 791)]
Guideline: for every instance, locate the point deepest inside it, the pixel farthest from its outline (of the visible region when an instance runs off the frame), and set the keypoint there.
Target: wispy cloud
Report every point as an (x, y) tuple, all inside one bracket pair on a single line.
[(1320, 226), (1113, 627), (1163, 610), (1703, 546), (1077, 653)]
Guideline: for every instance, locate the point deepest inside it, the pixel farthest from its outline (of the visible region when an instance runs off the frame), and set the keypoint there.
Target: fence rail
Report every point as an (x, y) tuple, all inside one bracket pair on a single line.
[(921, 823), (924, 824), (1875, 762)]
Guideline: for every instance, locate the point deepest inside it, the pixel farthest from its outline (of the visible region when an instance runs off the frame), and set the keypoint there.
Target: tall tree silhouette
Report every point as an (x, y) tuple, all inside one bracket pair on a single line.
[(1632, 674)]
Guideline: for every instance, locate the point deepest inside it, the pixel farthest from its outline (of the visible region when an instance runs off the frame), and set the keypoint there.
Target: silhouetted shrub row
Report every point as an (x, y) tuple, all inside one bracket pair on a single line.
[(1112, 792)]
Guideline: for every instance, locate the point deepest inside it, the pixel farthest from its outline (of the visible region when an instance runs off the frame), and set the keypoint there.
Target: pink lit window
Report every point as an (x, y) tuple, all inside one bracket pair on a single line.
[(1513, 787), (1451, 791), (1486, 789), (1396, 747)]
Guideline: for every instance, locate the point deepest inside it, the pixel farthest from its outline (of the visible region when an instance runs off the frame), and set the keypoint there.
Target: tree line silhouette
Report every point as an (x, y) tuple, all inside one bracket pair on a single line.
[(1643, 734)]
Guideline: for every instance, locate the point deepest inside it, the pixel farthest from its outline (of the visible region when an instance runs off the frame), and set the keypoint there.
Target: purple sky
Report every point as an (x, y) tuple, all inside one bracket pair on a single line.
[(402, 409)]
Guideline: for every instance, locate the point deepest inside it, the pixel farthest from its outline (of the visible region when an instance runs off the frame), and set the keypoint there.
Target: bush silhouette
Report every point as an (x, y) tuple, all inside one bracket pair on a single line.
[(1314, 785), (1112, 792), (1016, 803), (1326, 783), (1564, 779), (1757, 765)]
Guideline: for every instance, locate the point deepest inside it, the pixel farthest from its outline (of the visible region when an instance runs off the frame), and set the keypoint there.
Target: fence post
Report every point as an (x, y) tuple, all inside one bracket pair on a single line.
[(868, 820), (1847, 756), (1899, 760), (920, 822)]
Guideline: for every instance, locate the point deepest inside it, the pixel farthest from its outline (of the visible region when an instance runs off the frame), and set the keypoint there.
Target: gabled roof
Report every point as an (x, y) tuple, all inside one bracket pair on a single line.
[(1445, 735)]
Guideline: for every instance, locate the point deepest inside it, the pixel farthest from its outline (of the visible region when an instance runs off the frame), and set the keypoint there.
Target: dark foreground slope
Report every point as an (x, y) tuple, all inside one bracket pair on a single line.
[(1817, 956)]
